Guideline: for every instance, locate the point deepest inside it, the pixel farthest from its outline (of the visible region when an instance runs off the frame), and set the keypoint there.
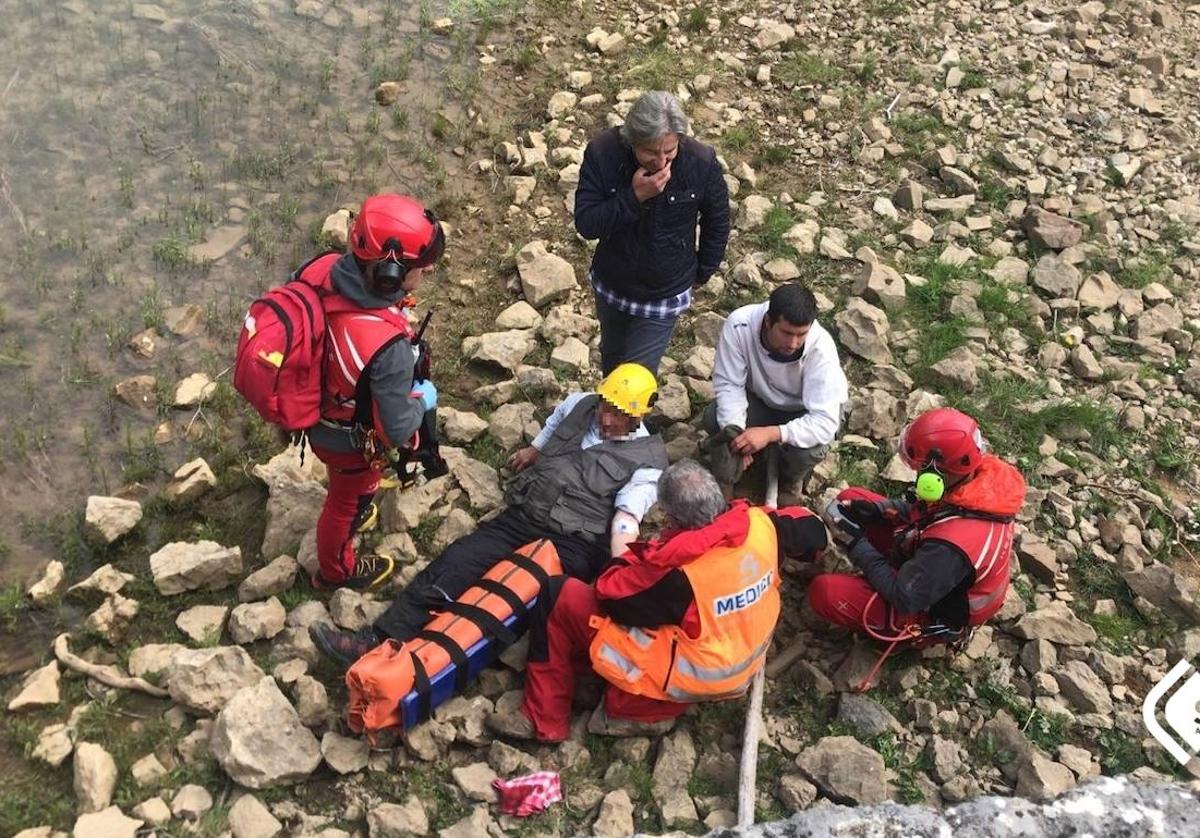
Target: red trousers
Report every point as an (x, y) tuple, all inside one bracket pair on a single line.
[(550, 684), (352, 484), (848, 599)]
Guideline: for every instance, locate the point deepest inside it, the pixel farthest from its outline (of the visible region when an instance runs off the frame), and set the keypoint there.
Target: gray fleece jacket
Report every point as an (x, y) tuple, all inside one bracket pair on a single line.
[(389, 373)]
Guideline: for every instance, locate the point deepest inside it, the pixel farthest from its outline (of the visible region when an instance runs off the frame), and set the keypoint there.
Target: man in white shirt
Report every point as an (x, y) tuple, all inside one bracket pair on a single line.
[(585, 483), (777, 380)]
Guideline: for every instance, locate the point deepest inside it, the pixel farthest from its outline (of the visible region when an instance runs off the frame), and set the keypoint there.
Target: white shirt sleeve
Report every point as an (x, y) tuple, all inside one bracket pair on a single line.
[(560, 413), (824, 392), (639, 494), (730, 372)]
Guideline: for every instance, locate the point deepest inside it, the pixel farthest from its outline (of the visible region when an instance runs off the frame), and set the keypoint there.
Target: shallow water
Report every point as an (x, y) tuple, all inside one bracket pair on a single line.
[(184, 152)]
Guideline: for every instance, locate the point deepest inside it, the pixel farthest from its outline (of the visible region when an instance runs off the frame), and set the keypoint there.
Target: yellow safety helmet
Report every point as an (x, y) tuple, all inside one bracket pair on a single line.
[(630, 388)]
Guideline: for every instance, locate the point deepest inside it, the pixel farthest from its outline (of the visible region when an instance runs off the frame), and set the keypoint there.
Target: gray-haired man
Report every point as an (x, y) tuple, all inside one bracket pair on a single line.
[(642, 190)]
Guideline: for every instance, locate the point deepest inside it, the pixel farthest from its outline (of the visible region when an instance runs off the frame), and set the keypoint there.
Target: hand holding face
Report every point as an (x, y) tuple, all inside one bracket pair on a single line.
[(647, 185)]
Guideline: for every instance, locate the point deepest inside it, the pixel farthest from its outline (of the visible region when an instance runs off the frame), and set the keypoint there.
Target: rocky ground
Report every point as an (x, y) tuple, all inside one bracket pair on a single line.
[(998, 206)]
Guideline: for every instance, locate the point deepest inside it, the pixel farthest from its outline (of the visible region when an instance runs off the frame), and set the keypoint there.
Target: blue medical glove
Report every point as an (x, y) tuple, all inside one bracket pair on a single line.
[(427, 392)]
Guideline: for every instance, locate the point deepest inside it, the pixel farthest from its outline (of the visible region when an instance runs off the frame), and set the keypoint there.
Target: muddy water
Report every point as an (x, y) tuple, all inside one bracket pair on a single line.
[(184, 152)]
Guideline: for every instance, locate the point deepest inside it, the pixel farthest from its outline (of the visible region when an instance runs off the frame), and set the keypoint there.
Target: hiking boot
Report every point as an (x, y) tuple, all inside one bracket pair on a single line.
[(602, 724), (514, 724), (368, 518), (344, 647), (589, 690), (369, 573)]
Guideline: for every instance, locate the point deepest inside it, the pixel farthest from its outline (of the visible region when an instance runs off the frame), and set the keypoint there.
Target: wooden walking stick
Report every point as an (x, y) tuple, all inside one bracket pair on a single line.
[(748, 775)]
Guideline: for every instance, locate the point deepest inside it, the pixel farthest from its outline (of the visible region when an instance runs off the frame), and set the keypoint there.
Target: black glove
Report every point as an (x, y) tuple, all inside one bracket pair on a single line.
[(845, 530), (869, 512)]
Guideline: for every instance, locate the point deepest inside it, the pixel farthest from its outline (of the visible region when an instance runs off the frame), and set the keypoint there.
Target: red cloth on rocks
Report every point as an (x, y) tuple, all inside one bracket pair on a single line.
[(530, 794)]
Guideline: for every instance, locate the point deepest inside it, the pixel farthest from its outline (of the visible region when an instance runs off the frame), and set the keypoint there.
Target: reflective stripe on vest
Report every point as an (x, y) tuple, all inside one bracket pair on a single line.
[(676, 694), (981, 601), (631, 671), (721, 673)]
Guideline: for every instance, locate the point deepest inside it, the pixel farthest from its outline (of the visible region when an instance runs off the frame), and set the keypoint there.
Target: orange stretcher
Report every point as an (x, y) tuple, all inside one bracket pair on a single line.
[(398, 684)]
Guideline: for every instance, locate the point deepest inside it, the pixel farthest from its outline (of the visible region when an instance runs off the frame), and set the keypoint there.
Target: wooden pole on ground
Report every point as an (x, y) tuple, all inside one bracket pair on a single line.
[(749, 769)]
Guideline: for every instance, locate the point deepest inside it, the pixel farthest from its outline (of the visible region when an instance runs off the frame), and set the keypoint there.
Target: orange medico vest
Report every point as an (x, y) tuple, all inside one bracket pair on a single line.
[(736, 591)]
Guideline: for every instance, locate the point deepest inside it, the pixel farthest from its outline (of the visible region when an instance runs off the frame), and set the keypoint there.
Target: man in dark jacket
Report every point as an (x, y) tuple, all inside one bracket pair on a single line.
[(585, 483), (642, 189)]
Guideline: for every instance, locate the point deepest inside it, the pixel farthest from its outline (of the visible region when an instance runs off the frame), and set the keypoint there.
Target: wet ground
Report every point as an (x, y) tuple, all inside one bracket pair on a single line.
[(175, 154)]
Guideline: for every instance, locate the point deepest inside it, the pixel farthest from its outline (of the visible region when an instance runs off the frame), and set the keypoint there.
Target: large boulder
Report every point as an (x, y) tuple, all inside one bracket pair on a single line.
[(393, 820), (249, 818), (1056, 276), (190, 481), (504, 349), (109, 823), (512, 424), (153, 658), (881, 285), (259, 741), (1166, 589), (39, 689), (345, 754), (545, 277), (616, 816), (105, 580), (180, 566), (253, 621), (846, 770), (672, 770), (481, 482), (1057, 623), (288, 464), (204, 680), (862, 329), (271, 580), (292, 510), (106, 519), (95, 777), (874, 413), (1041, 778), (958, 369), (1050, 230)]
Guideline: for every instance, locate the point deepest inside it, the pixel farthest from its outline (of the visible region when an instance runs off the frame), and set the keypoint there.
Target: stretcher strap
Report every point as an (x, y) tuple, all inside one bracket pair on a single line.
[(510, 597), (488, 622), (531, 567), (423, 688), (458, 655)]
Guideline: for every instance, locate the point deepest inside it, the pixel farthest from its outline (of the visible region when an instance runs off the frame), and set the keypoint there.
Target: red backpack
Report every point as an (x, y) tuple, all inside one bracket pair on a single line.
[(281, 351)]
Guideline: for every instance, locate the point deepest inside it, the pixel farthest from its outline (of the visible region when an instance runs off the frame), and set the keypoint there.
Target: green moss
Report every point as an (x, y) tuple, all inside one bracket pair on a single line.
[(1140, 271), (739, 137), (770, 236), (804, 68)]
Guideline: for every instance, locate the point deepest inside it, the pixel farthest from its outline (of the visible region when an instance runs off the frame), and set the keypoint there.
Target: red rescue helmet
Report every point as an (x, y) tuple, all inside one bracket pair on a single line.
[(398, 228), (945, 439)]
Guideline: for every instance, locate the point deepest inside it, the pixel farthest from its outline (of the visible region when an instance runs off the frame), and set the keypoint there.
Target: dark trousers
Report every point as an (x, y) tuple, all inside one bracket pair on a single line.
[(624, 337), (796, 463), (466, 560)]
